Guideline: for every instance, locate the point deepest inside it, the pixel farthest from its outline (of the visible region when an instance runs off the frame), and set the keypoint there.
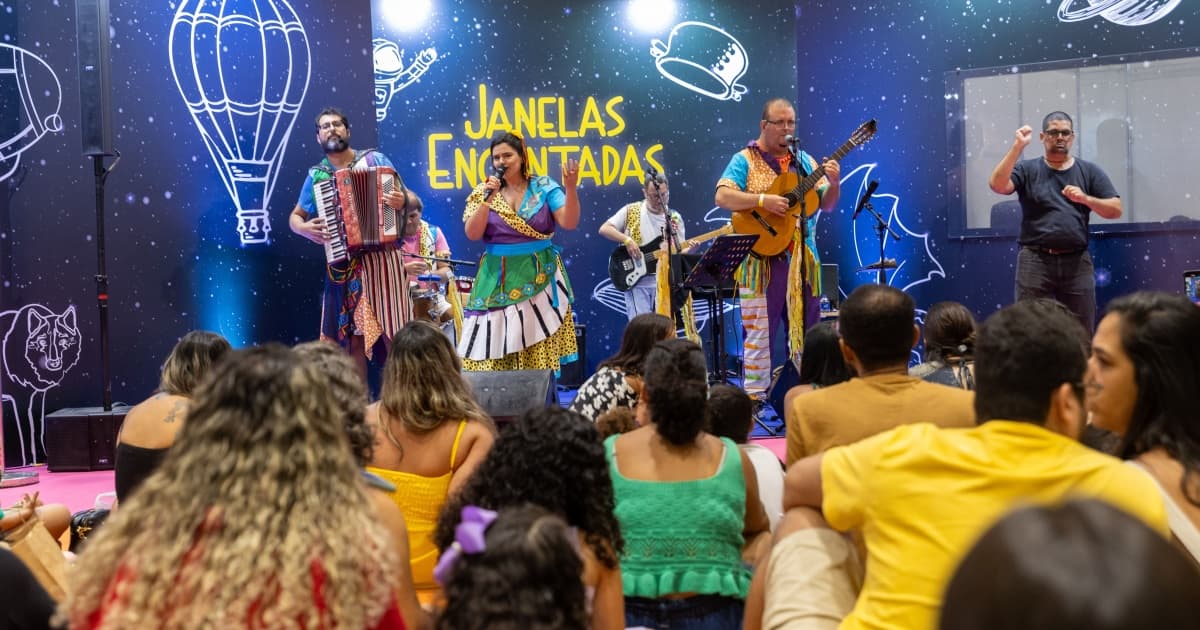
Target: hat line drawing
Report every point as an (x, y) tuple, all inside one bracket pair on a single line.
[(703, 58)]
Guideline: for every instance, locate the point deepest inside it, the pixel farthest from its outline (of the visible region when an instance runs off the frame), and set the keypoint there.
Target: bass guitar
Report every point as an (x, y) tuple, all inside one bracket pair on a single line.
[(775, 231), (625, 270)]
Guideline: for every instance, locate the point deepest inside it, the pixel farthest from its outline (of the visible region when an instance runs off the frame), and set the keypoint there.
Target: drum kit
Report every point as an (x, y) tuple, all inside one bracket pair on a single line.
[(428, 295)]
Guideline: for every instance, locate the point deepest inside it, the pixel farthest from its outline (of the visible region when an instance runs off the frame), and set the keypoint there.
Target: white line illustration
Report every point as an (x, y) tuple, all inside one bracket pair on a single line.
[(242, 69), (1122, 12), (899, 276), (704, 59), (34, 110), (38, 349), (391, 75)]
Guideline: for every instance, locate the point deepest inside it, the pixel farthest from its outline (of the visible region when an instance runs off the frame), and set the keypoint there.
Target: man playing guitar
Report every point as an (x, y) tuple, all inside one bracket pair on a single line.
[(640, 227), (763, 281)]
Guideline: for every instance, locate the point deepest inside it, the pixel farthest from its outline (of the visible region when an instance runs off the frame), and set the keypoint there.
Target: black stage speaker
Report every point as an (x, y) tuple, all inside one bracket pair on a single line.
[(829, 285), (82, 438), (505, 396), (95, 76), (573, 374), (784, 379)]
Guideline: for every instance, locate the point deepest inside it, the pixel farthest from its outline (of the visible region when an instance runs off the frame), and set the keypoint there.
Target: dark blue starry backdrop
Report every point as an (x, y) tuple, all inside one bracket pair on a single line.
[(620, 86), (213, 102)]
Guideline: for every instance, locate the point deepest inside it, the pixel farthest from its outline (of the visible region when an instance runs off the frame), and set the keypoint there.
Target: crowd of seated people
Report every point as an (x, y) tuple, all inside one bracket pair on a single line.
[(285, 498)]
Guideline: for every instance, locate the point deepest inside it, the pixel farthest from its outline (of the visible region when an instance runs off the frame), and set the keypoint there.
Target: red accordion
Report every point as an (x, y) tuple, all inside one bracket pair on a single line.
[(356, 216)]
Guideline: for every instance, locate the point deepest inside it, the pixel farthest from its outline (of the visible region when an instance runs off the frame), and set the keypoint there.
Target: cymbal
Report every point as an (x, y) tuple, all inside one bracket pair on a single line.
[(886, 263)]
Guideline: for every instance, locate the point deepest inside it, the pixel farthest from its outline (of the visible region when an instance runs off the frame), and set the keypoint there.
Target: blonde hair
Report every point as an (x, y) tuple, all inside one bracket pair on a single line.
[(190, 361), (257, 497), (423, 384)]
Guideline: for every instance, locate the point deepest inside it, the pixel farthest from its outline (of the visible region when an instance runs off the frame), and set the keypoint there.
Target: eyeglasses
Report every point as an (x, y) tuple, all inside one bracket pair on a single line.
[(1059, 133), (334, 124), (784, 124)]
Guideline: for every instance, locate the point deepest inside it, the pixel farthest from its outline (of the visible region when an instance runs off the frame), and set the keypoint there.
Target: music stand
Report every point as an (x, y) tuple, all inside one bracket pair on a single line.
[(713, 272)]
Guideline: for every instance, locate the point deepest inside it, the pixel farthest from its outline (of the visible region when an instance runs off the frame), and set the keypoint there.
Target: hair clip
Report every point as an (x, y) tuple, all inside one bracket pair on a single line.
[(469, 537)]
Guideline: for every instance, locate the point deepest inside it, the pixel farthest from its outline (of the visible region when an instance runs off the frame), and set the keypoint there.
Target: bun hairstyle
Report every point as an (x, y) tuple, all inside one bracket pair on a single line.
[(677, 389)]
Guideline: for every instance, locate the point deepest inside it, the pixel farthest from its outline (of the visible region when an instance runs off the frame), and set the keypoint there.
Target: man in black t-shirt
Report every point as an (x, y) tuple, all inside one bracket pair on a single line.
[(1058, 193)]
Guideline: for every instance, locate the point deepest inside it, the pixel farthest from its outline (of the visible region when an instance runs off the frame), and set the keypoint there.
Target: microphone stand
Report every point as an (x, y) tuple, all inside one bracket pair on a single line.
[(881, 229), (796, 152)]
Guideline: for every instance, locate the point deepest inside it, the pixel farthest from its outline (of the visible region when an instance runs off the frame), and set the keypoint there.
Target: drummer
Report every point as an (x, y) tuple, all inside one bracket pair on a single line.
[(423, 239)]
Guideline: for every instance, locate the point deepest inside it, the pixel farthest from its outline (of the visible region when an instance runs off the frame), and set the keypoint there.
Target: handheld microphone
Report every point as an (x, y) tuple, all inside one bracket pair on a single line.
[(862, 201), (500, 176)]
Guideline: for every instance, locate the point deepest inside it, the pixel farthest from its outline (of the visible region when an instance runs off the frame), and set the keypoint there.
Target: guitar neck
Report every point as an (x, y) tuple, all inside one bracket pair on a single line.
[(809, 181)]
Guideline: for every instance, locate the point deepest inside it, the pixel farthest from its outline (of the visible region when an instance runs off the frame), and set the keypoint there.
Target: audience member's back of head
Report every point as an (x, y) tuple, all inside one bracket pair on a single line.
[(259, 486), (1084, 565), (876, 322), (730, 412), (616, 421), (1024, 352), (190, 361), (1160, 332), (677, 390), (526, 578), (949, 331), (641, 333), (552, 458), (821, 361), (348, 391), (423, 384)]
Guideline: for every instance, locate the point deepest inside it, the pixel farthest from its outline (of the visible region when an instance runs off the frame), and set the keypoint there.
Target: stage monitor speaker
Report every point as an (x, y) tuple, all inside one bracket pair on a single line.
[(507, 395), (829, 285), (573, 374), (82, 438), (785, 378), (95, 76)]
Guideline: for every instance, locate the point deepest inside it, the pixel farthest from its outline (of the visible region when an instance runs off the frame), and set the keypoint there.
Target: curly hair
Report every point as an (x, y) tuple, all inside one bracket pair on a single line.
[(640, 335), (423, 384), (190, 361), (677, 390), (1161, 334), (257, 498), (549, 457), (527, 578), (348, 391)]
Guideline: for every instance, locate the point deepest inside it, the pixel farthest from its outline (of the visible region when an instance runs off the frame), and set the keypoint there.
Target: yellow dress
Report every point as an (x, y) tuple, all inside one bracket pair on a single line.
[(420, 499)]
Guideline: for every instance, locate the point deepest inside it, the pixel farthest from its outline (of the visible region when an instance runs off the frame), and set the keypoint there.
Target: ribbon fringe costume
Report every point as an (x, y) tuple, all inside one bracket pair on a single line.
[(771, 288), (519, 314)]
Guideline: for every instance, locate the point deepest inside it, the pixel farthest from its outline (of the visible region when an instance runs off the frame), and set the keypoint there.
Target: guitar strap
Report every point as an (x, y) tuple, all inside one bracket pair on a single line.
[(633, 222)]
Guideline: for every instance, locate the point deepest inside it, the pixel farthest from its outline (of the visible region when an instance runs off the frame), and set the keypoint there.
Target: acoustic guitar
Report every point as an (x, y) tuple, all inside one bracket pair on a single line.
[(775, 231), (625, 270)]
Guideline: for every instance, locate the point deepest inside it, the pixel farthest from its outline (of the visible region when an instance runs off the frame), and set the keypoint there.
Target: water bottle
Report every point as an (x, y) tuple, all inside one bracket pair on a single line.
[(826, 307)]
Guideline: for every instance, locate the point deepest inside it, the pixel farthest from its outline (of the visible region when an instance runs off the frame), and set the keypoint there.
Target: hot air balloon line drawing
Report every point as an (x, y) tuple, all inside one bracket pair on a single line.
[(391, 75), (35, 108), (704, 59), (242, 68)]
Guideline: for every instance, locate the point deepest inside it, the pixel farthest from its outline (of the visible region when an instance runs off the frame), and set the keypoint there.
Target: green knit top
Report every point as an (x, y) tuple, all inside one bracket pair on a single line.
[(683, 536)]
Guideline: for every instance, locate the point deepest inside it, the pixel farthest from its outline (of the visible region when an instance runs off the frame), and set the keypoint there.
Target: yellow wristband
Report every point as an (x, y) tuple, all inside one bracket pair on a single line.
[(627, 241), (762, 197)]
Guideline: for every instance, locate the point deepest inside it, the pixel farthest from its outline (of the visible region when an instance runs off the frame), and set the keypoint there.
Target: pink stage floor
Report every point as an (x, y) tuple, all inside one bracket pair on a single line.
[(78, 490)]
